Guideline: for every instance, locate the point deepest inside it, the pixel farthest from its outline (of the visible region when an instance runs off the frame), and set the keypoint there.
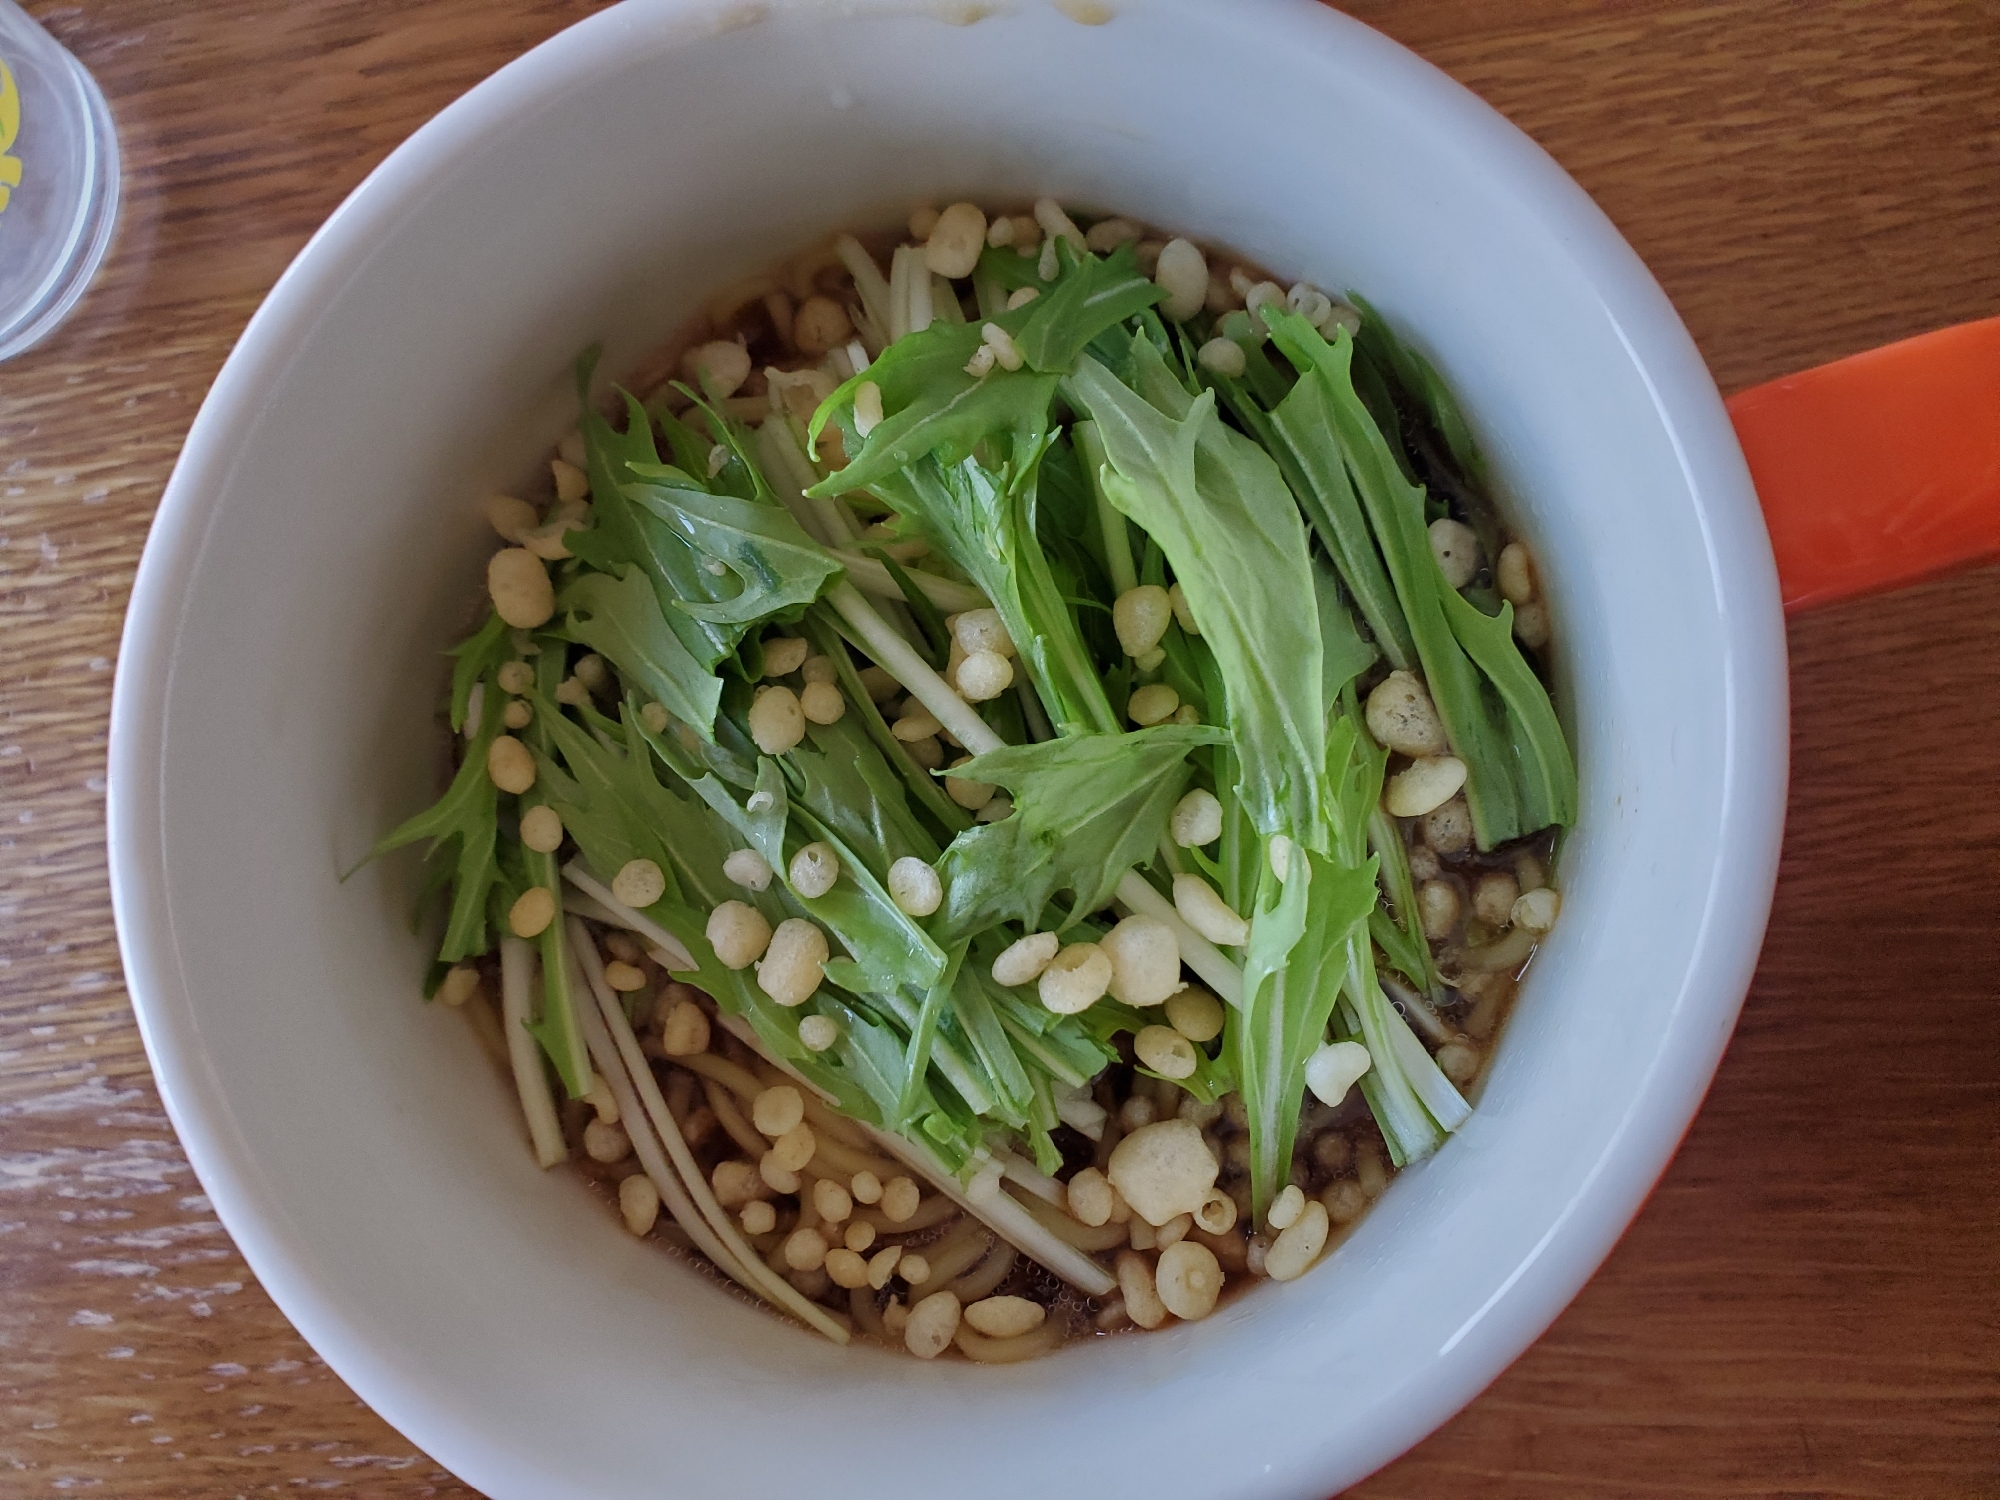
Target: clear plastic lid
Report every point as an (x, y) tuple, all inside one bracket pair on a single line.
[(58, 181)]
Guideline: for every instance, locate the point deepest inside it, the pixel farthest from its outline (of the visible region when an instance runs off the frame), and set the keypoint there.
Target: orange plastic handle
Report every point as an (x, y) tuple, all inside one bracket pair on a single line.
[(1880, 469)]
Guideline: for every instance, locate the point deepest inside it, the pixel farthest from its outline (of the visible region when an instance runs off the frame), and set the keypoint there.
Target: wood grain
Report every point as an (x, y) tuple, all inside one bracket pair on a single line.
[(1807, 1306)]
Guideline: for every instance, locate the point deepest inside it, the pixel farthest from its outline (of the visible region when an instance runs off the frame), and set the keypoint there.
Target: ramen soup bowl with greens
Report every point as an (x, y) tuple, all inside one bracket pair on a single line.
[(323, 534)]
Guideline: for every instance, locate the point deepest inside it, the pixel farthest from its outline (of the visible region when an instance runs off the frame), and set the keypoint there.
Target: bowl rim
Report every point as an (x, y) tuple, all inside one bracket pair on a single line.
[(1690, 409)]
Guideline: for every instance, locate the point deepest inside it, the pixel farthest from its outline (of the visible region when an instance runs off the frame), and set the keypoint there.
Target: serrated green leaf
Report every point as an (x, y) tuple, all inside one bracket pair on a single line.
[(931, 405), (1092, 295), (1545, 772), (1421, 384), (1087, 808), (841, 777), (1299, 931), (983, 521), (619, 617), (1218, 507), (779, 569), (608, 799), (623, 534), (462, 826), (1519, 773), (473, 659)]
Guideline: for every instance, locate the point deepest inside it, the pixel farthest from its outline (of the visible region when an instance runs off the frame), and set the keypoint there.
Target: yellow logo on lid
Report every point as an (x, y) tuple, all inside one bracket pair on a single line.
[(10, 127)]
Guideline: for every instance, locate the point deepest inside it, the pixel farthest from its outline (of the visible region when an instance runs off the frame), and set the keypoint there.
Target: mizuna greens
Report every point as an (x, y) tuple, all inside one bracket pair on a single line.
[(1045, 619)]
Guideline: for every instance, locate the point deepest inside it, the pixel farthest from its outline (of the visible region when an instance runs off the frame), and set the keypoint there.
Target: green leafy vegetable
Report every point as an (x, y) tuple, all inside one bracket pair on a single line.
[(1090, 297), (1545, 773), (821, 629), (462, 827), (619, 617), (1295, 433), (1086, 809), (934, 405), (474, 660), (984, 522), (1378, 342), (1505, 799), (780, 568), (844, 781), (555, 1025), (1299, 936), (626, 535), (1219, 509), (889, 949), (1345, 654)]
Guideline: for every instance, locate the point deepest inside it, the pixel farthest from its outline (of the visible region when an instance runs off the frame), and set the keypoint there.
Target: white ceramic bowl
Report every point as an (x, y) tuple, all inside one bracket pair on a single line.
[(321, 536)]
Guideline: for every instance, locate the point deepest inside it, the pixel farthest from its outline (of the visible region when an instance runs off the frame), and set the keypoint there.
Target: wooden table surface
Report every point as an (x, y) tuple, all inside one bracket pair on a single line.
[(1806, 1307)]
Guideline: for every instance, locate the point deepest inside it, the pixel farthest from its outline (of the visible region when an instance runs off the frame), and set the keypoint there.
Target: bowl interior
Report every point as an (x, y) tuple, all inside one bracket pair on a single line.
[(321, 541)]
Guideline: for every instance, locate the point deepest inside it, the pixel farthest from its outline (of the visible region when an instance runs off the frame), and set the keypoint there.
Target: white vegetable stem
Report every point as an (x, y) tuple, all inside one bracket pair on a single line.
[(947, 594), (995, 1210), (531, 1079), (779, 447), (1415, 1009), (673, 1192), (899, 659), (578, 874), (871, 286), (611, 1034), (1006, 1218), (1446, 1104), (771, 440), (1110, 521), (909, 293), (575, 903), (1026, 1174)]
